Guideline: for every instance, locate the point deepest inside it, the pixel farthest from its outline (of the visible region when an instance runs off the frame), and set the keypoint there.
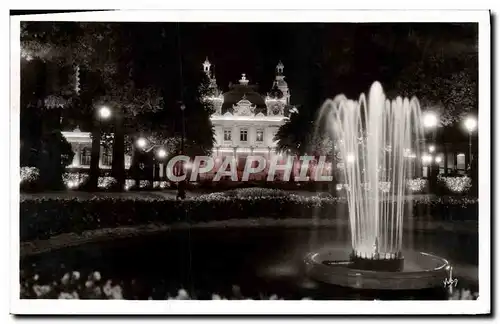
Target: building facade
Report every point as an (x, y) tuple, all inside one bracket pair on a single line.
[(81, 143), (246, 121)]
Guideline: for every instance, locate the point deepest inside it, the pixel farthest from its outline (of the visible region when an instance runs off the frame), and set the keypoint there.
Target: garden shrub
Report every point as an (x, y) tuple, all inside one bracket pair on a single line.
[(455, 185), (74, 180), (42, 218), (106, 182), (29, 178)]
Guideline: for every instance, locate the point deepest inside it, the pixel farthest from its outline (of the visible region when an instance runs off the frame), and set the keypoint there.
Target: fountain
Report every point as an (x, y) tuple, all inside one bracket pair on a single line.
[(374, 139)]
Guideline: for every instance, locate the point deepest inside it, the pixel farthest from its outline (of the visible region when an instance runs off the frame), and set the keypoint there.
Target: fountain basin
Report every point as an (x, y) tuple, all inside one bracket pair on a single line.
[(421, 271)]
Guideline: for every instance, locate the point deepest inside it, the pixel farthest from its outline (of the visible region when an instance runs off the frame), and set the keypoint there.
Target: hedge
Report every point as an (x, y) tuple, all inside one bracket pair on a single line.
[(42, 218)]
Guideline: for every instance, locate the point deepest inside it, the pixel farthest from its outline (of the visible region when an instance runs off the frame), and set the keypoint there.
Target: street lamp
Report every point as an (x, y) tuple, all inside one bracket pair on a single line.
[(141, 142), (426, 158), (161, 153), (438, 159), (470, 124), (430, 119), (104, 112), (432, 148)]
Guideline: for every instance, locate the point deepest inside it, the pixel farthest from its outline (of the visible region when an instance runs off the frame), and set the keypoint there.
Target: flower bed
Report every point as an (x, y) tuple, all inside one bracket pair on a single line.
[(42, 218), (79, 285), (455, 185)]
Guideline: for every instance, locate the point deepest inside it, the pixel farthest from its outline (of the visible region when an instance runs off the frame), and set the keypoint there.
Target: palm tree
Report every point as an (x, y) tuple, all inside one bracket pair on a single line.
[(293, 134)]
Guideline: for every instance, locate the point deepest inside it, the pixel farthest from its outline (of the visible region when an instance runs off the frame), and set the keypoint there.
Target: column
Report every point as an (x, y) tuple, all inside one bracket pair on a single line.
[(252, 132), (467, 160), (235, 136), (76, 157), (161, 170), (101, 151), (235, 155)]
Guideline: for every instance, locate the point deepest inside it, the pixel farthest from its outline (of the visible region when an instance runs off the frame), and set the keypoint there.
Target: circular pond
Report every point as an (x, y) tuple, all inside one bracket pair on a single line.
[(256, 262)]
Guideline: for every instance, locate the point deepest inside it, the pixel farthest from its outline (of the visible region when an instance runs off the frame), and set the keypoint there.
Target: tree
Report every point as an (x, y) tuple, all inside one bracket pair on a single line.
[(45, 93), (55, 154), (128, 103), (62, 46), (102, 52), (199, 131), (292, 137), (448, 87)]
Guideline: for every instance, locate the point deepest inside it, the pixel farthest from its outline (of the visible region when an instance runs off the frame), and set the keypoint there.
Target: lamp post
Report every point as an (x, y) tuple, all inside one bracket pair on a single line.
[(161, 154), (101, 113), (140, 146), (104, 113), (430, 121), (470, 124), (181, 192), (426, 161)]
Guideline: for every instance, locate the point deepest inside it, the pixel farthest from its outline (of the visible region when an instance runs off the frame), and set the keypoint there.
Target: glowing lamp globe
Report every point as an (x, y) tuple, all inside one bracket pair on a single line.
[(438, 159), (162, 153), (430, 120), (470, 124), (104, 112), (432, 148), (141, 142), (426, 158)]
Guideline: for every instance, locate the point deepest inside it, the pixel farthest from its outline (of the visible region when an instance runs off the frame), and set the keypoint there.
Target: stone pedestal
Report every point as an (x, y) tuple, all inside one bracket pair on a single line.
[(377, 263)]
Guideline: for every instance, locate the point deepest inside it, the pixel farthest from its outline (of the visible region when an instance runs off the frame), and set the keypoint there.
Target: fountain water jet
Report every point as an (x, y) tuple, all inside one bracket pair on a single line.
[(374, 137)]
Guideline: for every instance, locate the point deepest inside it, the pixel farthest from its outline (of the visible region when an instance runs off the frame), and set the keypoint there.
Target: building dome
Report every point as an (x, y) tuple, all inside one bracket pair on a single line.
[(238, 93), (243, 91)]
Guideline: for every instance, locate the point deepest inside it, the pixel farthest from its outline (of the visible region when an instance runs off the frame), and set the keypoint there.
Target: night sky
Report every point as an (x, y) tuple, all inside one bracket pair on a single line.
[(321, 60)]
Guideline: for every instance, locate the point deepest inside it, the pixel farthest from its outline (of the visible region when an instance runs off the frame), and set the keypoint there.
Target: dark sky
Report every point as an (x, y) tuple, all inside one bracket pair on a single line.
[(320, 60)]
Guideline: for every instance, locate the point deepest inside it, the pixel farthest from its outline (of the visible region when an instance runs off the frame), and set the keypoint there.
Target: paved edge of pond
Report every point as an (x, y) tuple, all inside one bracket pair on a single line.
[(28, 248)]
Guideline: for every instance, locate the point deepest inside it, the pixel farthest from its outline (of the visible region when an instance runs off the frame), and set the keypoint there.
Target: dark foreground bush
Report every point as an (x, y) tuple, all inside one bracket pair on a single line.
[(42, 218)]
